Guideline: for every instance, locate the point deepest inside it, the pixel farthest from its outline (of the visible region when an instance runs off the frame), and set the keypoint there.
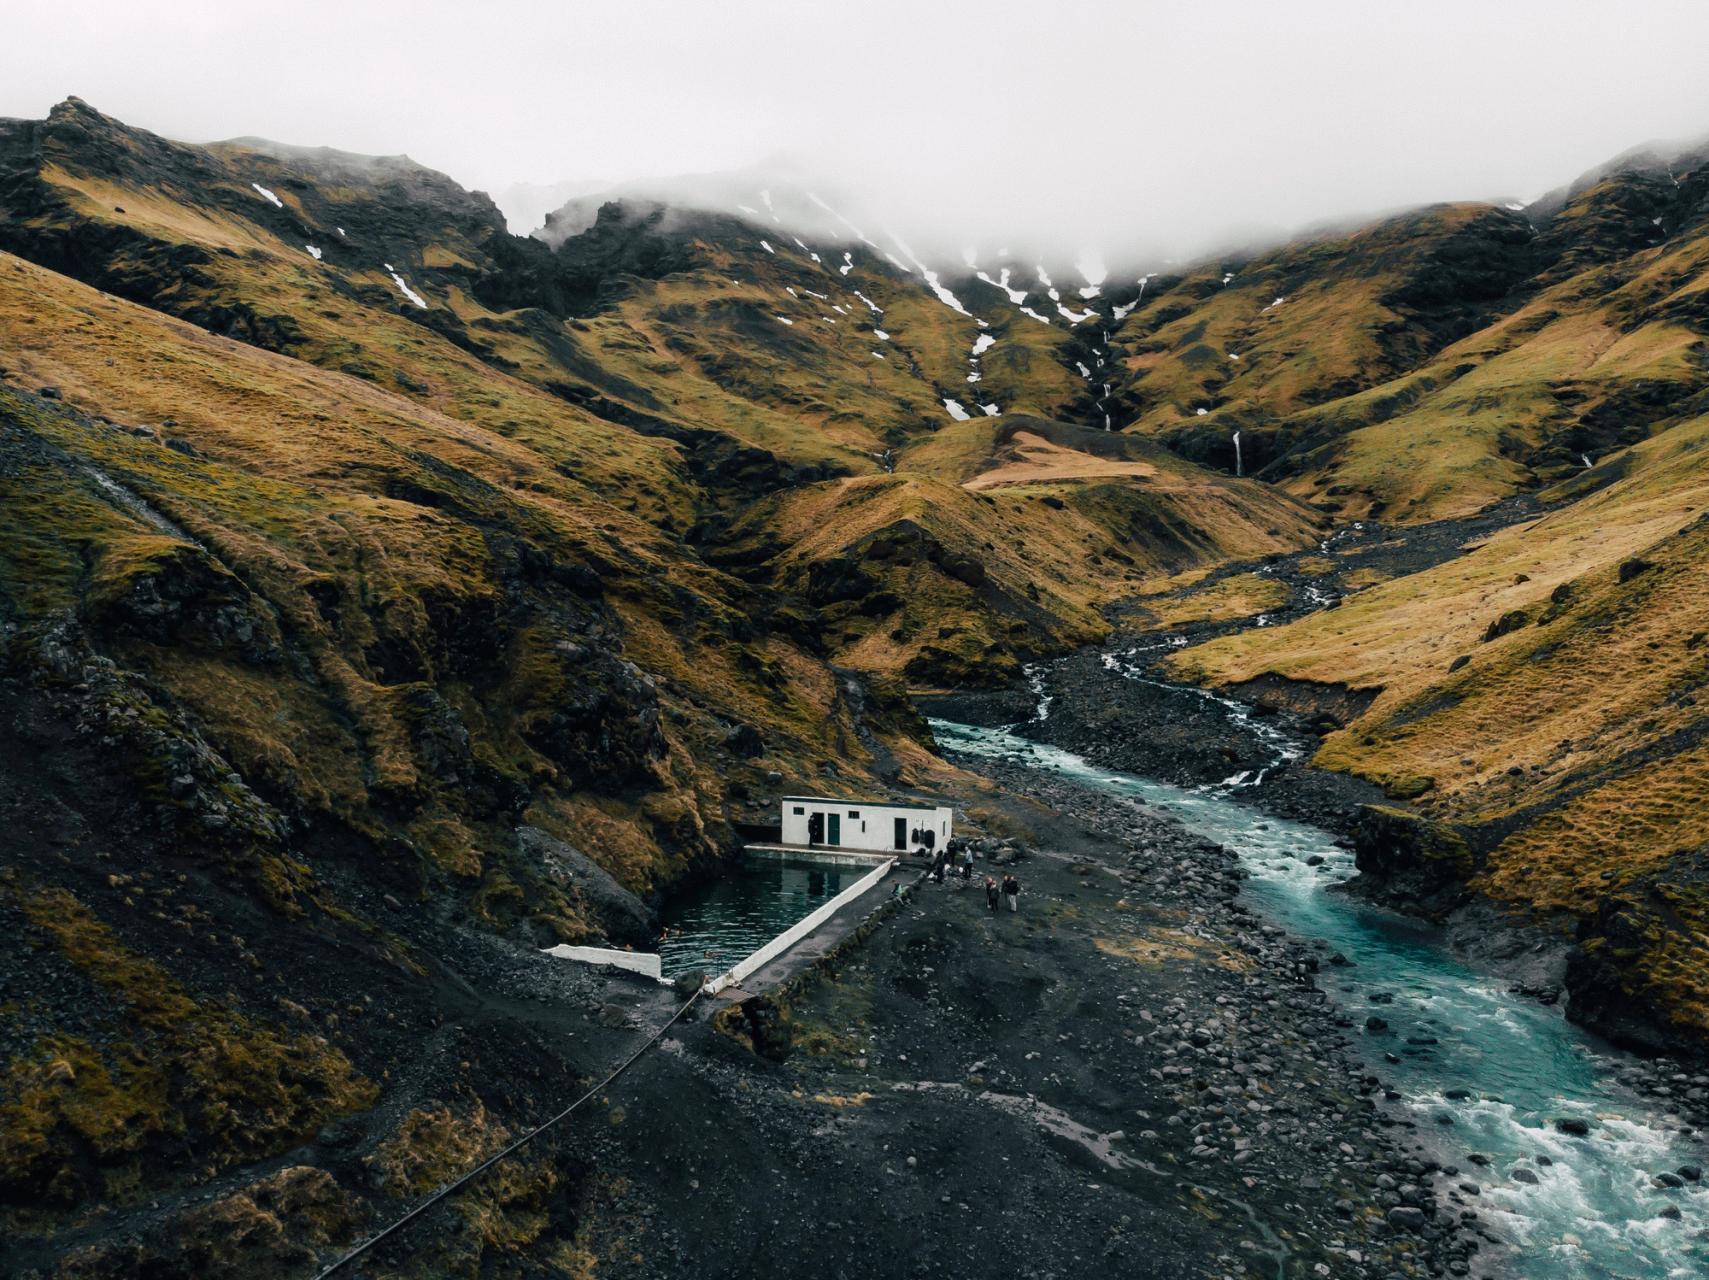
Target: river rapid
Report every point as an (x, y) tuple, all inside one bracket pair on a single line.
[(1488, 1074)]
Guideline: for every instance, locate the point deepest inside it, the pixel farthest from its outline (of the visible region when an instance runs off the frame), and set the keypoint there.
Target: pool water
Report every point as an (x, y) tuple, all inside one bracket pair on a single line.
[(723, 921)]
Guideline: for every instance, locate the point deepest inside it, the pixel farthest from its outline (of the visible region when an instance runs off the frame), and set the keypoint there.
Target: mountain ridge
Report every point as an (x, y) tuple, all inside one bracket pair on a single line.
[(390, 570)]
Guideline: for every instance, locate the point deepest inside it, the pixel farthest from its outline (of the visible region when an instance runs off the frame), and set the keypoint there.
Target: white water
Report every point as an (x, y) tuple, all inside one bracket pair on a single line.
[(1592, 1213)]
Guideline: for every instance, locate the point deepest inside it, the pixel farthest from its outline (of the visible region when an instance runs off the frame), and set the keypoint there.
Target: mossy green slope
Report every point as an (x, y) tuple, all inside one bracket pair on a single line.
[(1436, 361)]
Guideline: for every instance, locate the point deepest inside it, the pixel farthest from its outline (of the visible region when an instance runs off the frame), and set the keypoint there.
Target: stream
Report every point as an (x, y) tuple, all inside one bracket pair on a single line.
[(1457, 1047)]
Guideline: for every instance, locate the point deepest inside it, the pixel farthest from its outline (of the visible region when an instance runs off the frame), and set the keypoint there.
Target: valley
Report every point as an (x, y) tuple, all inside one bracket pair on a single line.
[(386, 597)]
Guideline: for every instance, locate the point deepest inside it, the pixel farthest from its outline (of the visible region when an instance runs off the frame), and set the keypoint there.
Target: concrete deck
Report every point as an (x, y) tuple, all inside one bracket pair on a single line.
[(825, 853)]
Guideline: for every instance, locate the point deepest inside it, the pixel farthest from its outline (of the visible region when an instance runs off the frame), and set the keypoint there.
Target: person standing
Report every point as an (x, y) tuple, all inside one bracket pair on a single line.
[(991, 895), (967, 864), (1011, 891)]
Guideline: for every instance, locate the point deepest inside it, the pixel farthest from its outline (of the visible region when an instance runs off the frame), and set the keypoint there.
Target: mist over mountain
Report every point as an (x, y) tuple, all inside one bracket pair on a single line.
[(1157, 131), (1094, 616)]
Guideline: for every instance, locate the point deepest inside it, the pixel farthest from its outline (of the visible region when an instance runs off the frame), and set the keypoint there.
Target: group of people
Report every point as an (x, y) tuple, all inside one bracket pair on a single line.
[(1011, 891), (945, 863)]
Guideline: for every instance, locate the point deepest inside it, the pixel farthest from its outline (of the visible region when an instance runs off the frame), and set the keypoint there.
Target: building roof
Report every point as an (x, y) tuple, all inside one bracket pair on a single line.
[(875, 804)]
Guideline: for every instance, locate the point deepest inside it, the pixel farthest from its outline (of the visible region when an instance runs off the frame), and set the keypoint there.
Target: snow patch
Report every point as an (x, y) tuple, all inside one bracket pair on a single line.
[(268, 196), (404, 289), (931, 277), (1074, 317), (1016, 296), (991, 410), (1028, 311), (870, 304), (881, 335), (955, 410), (313, 252), (983, 343), (848, 263), (785, 320), (766, 245)]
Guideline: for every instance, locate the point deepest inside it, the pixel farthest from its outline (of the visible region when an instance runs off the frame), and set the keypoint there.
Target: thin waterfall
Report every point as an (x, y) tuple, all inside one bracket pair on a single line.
[(1239, 468)]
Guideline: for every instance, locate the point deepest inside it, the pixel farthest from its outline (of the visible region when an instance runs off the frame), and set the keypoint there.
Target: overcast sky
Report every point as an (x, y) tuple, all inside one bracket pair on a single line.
[(1111, 124)]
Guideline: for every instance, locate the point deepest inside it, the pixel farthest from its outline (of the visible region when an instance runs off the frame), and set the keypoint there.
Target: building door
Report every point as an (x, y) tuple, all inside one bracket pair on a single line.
[(901, 839), (834, 835), (816, 828)]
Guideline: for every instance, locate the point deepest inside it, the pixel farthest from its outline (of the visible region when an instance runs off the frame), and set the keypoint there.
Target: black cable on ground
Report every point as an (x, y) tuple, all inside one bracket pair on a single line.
[(457, 1184)]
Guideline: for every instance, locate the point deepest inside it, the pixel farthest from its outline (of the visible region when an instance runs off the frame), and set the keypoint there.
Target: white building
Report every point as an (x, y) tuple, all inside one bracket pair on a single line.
[(853, 824)]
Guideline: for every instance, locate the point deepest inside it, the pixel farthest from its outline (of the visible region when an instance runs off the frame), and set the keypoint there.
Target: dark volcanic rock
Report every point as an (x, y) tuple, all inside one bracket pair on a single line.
[(1405, 857), (624, 916)]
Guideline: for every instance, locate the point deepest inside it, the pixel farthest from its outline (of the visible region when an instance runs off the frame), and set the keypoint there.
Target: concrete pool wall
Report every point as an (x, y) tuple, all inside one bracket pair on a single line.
[(645, 963), (789, 937), (649, 964)]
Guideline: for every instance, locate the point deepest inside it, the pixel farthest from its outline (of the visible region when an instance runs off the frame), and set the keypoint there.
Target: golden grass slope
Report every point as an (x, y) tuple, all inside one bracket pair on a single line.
[(1003, 539), (1570, 728), (357, 525), (1432, 363)]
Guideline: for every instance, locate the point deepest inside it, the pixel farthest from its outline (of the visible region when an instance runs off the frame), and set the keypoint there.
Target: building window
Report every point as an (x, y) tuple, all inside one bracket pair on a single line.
[(799, 810), (854, 813)]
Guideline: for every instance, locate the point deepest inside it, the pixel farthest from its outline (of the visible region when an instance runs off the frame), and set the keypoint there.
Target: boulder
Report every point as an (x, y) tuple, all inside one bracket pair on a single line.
[(622, 915)]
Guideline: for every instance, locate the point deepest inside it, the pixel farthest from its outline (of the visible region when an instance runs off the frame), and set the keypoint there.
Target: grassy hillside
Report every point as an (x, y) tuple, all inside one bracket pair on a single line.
[(1440, 360), (1543, 693)]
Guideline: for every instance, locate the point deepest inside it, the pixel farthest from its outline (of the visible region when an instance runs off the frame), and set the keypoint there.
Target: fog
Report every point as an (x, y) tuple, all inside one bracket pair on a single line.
[(1138, 130)]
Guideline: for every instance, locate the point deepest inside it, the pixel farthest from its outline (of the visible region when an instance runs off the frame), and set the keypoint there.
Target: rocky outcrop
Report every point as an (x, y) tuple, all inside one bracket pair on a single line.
[(1324, 706), (1411, 861), (597, 715), (623, 916)]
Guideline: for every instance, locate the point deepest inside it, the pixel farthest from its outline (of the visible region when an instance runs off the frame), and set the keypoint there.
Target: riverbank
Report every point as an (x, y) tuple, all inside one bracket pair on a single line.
[(1134, 1057), (1580, 1173), (1114, 708)]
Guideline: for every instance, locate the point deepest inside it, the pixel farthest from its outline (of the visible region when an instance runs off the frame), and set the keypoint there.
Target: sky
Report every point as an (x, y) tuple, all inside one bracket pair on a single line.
[(1122, 127)]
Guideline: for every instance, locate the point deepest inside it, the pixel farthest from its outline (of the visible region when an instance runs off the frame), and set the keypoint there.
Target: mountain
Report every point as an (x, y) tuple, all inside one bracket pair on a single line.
[(384, 595), (1442, 359), (378, 587)]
